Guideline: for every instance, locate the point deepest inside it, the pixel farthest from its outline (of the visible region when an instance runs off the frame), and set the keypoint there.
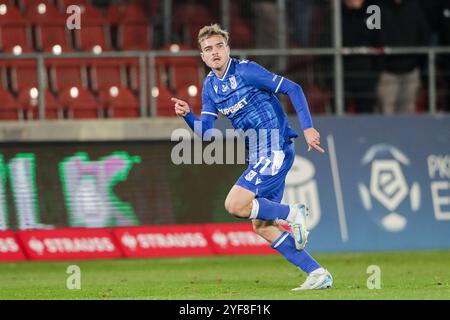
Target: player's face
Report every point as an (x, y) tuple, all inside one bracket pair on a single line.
[(215, 52)]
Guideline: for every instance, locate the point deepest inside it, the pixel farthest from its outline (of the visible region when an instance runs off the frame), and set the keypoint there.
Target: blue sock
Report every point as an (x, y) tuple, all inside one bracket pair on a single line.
[(285, 245), (264, 209)]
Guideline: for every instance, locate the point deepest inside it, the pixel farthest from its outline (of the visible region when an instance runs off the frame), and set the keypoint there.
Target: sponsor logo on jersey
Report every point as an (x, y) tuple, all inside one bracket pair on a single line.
[(234, 108)]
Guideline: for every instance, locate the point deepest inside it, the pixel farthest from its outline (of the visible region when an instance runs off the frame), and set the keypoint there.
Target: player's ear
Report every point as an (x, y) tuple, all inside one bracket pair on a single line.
[(202, 56)]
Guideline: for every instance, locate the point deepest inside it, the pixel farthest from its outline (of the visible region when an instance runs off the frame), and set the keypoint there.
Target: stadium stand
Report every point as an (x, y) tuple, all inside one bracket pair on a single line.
[(10, 109), (51, 34), (80, 103), (95, 34), (119, 102), (28, 99)]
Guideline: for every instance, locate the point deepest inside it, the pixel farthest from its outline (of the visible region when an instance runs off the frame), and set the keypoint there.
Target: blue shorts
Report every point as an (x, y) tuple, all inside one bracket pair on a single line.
[(267, 177)]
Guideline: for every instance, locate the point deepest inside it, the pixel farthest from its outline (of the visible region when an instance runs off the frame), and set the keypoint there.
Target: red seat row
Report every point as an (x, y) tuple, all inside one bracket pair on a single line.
[(75, 102), (42, 27), (80, 103)]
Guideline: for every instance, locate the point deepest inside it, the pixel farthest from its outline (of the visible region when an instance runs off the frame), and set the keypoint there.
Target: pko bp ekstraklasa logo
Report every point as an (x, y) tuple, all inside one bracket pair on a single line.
[(387, 193)]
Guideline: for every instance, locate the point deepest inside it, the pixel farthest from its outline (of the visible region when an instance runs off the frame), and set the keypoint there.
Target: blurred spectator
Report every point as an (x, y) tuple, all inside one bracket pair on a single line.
[(300, 16), (402, 24), (360, 71), (265, 27), (444, 36), (440, 20)]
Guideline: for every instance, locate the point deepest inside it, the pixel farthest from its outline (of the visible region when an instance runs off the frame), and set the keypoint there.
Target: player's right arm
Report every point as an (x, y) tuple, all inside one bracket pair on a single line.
[(199, 126)]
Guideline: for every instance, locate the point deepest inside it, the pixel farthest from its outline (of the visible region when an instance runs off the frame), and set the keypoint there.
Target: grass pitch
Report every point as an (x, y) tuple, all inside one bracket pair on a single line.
[(404, 275)]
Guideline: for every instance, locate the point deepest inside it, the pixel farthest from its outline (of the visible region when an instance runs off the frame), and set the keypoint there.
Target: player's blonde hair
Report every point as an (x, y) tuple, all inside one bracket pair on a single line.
[(212, 30)]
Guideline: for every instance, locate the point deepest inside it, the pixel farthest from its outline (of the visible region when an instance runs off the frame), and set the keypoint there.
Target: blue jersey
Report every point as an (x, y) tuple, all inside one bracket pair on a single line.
[(246, 95)]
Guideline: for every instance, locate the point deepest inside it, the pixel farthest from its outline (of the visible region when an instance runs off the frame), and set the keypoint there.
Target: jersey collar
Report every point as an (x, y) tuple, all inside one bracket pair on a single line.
[(226, 71)]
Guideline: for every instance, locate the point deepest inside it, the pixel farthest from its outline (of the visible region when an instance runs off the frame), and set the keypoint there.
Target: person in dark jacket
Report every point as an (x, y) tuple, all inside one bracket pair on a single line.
[(437, 13), (360, 71), (402, 25)]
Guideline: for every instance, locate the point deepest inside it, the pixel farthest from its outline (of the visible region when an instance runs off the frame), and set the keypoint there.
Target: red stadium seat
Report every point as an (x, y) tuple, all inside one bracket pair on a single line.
[(64, 4), (14, 31), (29, 102), (25, 4), (50, 27), (184, 72), (10, 109), (193, 96), (241, 34), (105, 73), (185, 25), (134, 30), (3, 75), (165, 107), (95, 31), (133, 74), (134, 36), (116, 11), (80, 103), (119, 102), (67, 73), (23, 74)]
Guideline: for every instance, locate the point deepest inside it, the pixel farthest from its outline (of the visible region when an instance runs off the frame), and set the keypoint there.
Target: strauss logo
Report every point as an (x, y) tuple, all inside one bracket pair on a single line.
[(388, 186), (129, 241), (220, 238), (36, 245)]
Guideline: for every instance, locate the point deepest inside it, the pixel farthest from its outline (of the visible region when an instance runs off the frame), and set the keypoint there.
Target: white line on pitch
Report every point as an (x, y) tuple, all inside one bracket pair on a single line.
[(337, 188)]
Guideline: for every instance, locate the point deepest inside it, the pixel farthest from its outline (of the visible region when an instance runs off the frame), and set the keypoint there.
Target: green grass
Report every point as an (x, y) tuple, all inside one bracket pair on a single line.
[(404, 275)]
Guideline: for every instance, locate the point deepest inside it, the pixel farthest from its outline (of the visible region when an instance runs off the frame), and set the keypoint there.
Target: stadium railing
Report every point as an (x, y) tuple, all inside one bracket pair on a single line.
[(148, 102)]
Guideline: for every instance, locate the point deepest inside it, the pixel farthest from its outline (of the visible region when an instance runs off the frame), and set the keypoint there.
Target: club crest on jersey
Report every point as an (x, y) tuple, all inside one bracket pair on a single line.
[(233, 82), (249, 177), (225, 88)]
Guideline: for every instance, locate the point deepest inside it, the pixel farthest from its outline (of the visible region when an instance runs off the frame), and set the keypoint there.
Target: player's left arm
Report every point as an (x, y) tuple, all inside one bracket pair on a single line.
[(265, 80)]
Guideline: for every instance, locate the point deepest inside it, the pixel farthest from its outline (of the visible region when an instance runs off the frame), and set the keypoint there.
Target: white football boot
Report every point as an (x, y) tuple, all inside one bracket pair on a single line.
[(318, 279), (297, 223)]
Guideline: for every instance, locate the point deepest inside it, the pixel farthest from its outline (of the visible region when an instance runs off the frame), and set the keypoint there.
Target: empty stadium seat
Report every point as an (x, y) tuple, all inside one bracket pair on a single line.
[(184, 72), (104, 73), (181, 71), (94, 35), (10, 109), (23, 74), (28, 99), (25, 4), (3, 75), (192, 95), (116, 11), (67, 73), (62, 5), (186, 26), (50, 28), (119, 102), (241, 34), (134, 29), (14, 30), (165, 107), (80, 103)]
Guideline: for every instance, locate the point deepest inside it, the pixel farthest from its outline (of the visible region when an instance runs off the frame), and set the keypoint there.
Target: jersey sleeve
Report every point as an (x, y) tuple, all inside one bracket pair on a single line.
[(208, 106), (260, 77)]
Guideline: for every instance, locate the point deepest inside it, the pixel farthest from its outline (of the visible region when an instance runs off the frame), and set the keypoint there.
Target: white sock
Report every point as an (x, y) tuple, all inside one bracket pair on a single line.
[(255, 210)]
